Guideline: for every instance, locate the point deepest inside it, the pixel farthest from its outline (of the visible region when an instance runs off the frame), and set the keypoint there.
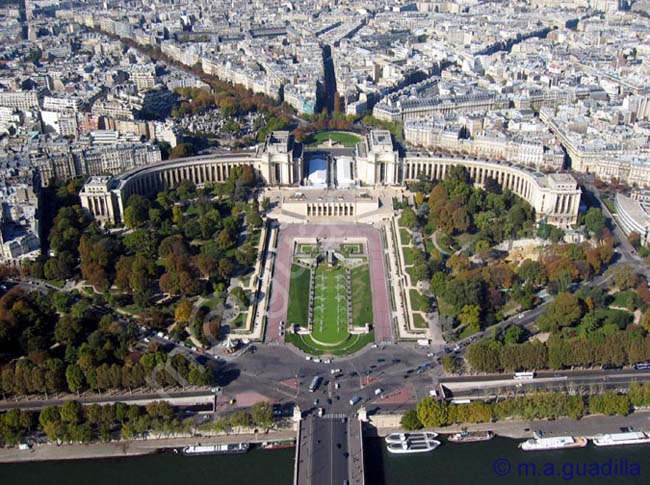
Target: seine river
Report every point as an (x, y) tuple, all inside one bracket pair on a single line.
[(498, 461)]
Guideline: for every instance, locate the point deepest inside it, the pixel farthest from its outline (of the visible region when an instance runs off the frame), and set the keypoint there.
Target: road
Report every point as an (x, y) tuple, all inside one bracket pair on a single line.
[(491, 385), (324, 451)]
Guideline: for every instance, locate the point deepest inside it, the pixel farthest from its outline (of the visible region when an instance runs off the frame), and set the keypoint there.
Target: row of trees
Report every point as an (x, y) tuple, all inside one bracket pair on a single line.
[(620, 348), (73, 422), (432, 413), (259, 416)]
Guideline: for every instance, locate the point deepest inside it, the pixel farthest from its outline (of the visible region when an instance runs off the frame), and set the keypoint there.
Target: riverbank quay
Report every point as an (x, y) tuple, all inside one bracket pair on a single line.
[(588, 426), (117, 449)]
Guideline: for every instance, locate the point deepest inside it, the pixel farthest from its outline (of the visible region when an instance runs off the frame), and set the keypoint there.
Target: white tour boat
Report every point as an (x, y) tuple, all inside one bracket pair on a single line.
[(414, 443), (553, 443), (216, 449), (396, 438), (618, 439)]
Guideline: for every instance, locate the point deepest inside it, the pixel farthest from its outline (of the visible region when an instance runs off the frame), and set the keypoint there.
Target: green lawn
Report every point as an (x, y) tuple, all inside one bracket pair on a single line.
[(419, 321), (361, 296), (419, 303), (405, 236), (239, 320), (346, 139), (330, 323), (609, 203), (351, 249), (467, 332), (410, 255), (306, 248), (352, 344), (298, 311), (411, 273)]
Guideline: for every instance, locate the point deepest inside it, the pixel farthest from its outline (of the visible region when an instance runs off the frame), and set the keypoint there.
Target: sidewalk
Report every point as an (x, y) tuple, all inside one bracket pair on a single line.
[(132, 448), (588, 426)]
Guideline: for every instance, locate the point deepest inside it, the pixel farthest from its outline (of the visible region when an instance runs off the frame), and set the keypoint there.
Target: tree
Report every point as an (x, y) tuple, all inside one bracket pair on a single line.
[(513, 335), (262, 413), (67, 330), (624, 276), (432, 413), (241, 419), (75, 378), (183, 311), (408, 218), (181, 150), (595, 222), (532, 272), (470, 317), (238, 295), (484, 355), (564, 311), (137, 211), (50, 414), (410, 420), (71, 412)]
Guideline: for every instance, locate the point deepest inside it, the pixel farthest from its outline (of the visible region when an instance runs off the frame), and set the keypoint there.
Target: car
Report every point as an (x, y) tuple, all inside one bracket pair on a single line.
[(433, 393), (337, 385), (316, 359), (321, 411), (381, 360), (146, 340), (355, 400), (327, 361), (378, 391), (335, 371), (308, 358), (329, 401), (374, 346), (429, 354), (316, 402)]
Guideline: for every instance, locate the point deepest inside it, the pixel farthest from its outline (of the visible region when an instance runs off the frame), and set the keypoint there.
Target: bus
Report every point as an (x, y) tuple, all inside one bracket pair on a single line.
[(315, 382), (523, 375)]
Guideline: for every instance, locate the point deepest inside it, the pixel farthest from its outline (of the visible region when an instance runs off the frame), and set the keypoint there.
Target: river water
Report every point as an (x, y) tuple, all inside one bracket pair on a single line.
[(498, 461)]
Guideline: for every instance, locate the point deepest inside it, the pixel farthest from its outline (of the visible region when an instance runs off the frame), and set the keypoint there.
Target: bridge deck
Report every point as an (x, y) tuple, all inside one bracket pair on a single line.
[(330, 451)]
